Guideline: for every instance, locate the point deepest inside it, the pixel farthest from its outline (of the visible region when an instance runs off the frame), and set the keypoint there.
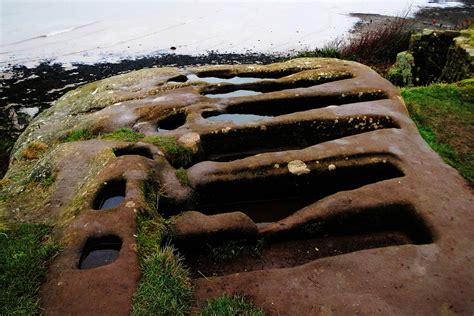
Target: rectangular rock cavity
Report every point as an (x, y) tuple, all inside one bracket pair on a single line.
[(330, 236), (270, 198), (287, 104), (240, 142), (230, 90)]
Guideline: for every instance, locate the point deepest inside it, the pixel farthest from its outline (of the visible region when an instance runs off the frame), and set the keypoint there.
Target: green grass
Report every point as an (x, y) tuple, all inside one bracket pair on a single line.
[(121, 134), (25, 251), (182, 176), (469, 33), (228, 305), (320, 52), (151, 190), (444, 115), (165, 285), (176, 154), (226, 251), (124, 135), (78, 135)]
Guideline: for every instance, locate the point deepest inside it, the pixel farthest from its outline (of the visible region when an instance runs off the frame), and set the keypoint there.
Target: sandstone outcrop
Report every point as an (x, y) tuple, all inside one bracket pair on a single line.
[(313, 162)]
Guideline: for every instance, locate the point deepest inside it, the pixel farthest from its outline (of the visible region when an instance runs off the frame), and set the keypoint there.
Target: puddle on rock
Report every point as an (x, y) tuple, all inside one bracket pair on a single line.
[(110, 195), (233, 94), (111, 202), (237, 118), (100, 252), (232, 80)]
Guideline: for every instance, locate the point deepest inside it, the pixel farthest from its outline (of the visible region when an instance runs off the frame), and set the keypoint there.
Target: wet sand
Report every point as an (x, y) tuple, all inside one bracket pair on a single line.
[(25, 92)]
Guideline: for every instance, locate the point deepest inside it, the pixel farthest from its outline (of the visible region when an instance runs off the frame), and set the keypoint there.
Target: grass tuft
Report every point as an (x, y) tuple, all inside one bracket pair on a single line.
[(150, 233), (123, 134), (165, 286), (228, 305), (379, 45), (34, 150), (25, 251), (444, 115), (151, 189), (78, 135), (331, 52), (175, 153), (182, 176)]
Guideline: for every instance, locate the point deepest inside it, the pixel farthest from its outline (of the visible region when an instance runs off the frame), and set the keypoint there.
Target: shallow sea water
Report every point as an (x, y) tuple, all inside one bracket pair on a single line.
[(70, 31)]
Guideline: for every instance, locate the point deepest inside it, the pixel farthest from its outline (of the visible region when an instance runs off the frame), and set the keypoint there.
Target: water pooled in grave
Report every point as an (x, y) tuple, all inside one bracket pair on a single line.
[(111, 202), (233, 94), (237, 118), (110, 195), (98, 258), (232, 80), (100, 252)]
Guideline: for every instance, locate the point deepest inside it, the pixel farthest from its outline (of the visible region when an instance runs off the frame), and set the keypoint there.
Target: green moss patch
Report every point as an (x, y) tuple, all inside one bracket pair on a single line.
[(25, 251), (124, 135), (175, 153), (228, 305), (329, 52), (121, 134), (469, 33), (444, 115), (182, 176), (78, 135)]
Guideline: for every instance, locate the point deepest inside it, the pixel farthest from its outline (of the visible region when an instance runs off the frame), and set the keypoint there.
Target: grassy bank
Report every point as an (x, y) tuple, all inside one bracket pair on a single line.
[(444, 115), (227, 305), (25, 251), (165, 285)]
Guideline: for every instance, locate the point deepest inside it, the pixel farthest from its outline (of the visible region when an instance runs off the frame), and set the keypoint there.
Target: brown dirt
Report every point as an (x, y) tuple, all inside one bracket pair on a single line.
[(286, 254)]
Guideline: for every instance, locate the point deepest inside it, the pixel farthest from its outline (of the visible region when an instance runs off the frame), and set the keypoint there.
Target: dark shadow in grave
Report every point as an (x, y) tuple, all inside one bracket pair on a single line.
[(328, 236), (171, 122), (134, 150), (111, 194)]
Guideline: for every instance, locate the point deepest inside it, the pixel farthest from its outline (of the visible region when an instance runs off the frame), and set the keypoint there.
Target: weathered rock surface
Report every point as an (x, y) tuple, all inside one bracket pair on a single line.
[(315, 152), (196, 227)]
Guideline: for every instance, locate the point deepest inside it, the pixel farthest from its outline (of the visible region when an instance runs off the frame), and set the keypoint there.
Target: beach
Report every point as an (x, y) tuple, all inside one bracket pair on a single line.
[(50, 47)]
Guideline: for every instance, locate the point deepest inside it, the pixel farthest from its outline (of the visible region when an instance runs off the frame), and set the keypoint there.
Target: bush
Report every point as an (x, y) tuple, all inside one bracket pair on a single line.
[(379, 45), (331, 52)]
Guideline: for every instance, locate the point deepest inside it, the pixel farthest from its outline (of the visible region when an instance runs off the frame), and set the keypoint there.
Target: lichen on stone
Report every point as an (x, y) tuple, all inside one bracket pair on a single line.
[(400, 73), (298, 167)]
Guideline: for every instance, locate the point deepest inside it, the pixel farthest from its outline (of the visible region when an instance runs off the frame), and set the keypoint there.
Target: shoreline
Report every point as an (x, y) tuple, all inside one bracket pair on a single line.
[(26, 92)]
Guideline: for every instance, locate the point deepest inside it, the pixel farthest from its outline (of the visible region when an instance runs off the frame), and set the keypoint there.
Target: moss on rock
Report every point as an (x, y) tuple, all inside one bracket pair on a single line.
[(400, 73)]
